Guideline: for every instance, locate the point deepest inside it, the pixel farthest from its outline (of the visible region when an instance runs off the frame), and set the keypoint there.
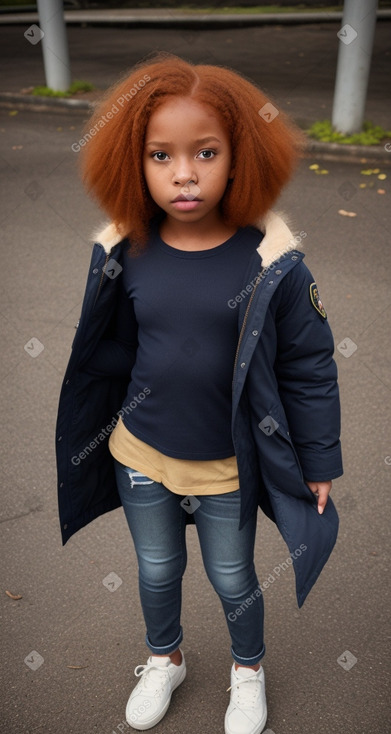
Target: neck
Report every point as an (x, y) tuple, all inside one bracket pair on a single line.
[(200, 235)]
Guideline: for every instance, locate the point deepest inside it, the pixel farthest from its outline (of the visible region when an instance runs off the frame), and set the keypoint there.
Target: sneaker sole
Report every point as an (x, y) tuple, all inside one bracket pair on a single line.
[(148, 725), (257, 731)]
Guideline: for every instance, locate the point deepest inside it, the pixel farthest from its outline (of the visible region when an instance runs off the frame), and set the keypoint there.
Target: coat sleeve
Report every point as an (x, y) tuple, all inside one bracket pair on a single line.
[(307, 378)]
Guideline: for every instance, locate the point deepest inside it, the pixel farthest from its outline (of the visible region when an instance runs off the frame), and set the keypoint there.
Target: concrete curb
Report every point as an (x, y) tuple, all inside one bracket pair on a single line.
[(348, 153), (158, 17), (14, 99), (313, 148)]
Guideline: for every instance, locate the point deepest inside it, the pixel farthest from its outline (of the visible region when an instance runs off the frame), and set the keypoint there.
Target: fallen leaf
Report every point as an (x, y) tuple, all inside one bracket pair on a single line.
[(17, 147), (382, 176), (376, 170), (381, 191), (346, 214), (59, 129), (362, 186), (314, 167), (13, 113), (367, 172), (13, 596), (77, 667)]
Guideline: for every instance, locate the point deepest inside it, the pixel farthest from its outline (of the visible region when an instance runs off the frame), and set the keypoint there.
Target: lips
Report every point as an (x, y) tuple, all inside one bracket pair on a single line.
[(181, 197), (185, 205)]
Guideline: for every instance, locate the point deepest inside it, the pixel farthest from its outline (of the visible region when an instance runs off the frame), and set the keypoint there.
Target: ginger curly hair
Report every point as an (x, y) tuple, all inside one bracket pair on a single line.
[(264, 153)]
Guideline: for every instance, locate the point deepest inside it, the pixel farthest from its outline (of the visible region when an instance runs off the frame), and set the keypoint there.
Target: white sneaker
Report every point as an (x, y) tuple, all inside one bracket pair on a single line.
[(151, 697), (247, 711)]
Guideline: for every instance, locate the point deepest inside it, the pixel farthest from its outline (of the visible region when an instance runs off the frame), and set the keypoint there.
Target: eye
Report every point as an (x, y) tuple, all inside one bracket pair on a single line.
[(206, 155), (159, 156)]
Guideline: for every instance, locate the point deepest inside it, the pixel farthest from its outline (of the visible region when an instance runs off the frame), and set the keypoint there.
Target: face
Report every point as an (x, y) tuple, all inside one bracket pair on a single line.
[(187, 160)]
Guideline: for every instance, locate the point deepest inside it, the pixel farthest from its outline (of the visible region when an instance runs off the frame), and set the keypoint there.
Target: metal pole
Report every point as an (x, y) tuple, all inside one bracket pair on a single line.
[(354, 61), (54, 45)]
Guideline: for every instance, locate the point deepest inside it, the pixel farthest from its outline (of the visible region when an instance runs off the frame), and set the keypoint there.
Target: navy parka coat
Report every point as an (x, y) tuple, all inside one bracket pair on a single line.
[(285, 401)]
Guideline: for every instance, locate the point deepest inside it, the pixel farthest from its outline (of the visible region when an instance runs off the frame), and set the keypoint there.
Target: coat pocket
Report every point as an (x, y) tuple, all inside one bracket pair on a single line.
[(278, 457)]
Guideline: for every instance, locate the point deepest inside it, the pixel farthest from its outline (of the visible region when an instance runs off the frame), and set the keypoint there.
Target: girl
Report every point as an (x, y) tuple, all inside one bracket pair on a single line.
[(204, 353)]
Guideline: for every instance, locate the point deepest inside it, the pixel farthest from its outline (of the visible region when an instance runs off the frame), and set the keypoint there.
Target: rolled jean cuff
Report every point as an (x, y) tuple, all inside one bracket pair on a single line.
[(165, 649), (248, 661)]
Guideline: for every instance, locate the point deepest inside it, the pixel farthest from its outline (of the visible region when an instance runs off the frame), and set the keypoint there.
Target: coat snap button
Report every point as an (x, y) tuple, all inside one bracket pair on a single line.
[(243, 364), (255, 333), (271, 282), (95, 271), (294, 257), (278, 272), (59, 438), (62, 484), (65, 526)]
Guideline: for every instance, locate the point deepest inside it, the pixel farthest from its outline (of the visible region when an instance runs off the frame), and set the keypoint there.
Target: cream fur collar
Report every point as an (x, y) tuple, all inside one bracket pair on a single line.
[(278, 238)]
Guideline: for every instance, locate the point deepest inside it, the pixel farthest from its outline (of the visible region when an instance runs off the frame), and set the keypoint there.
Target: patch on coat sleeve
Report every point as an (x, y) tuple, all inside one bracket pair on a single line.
[(315, 300)]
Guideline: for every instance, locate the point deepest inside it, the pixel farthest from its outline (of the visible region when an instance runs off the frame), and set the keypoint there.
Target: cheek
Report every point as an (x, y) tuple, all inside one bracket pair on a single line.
[(219, 178), (153, 172), (150, 175), (222, 168)]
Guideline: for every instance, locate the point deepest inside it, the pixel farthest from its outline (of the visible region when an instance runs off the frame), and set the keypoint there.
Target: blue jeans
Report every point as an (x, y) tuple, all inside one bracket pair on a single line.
[(157, 521)]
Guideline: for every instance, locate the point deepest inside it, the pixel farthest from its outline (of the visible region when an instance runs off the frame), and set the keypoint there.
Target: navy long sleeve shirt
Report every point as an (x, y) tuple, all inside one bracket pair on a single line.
[(187, 339)]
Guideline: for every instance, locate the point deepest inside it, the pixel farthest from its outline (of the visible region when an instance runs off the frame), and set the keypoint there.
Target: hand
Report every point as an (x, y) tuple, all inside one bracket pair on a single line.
[(321, 490)]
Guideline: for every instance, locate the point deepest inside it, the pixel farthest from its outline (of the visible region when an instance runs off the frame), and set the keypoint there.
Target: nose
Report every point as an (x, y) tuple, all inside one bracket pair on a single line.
[(184, 172)]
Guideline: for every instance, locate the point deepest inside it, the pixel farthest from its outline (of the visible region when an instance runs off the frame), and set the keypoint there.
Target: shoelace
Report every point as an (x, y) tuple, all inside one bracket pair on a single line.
[(245, 697), (153, 676)]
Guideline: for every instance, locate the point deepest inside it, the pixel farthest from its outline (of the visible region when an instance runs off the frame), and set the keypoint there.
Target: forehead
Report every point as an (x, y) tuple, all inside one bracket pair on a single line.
[(182, 115)]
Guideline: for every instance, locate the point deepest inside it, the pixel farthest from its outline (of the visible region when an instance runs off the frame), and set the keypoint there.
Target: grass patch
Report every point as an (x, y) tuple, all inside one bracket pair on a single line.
[(76, 87), (370, 135)]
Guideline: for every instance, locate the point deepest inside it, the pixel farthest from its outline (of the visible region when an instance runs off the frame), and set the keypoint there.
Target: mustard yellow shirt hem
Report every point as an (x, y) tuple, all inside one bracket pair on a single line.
[(219, 476)]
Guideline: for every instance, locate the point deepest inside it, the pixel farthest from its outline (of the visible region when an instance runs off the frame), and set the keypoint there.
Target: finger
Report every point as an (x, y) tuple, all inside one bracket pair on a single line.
[(322, 494)]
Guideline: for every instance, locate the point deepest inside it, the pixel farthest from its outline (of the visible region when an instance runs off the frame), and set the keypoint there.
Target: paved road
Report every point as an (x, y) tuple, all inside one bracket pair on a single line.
[(89, 638)]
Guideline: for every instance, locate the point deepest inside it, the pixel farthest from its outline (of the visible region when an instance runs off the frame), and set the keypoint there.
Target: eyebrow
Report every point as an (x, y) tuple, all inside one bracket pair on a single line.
[(200, 141)]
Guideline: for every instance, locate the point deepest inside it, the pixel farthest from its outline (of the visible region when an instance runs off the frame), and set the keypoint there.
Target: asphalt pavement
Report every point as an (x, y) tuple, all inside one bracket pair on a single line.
[(71, 642)]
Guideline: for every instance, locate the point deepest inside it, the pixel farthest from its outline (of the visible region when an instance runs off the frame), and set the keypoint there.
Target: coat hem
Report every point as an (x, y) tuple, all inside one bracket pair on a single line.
[(71, 527)]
